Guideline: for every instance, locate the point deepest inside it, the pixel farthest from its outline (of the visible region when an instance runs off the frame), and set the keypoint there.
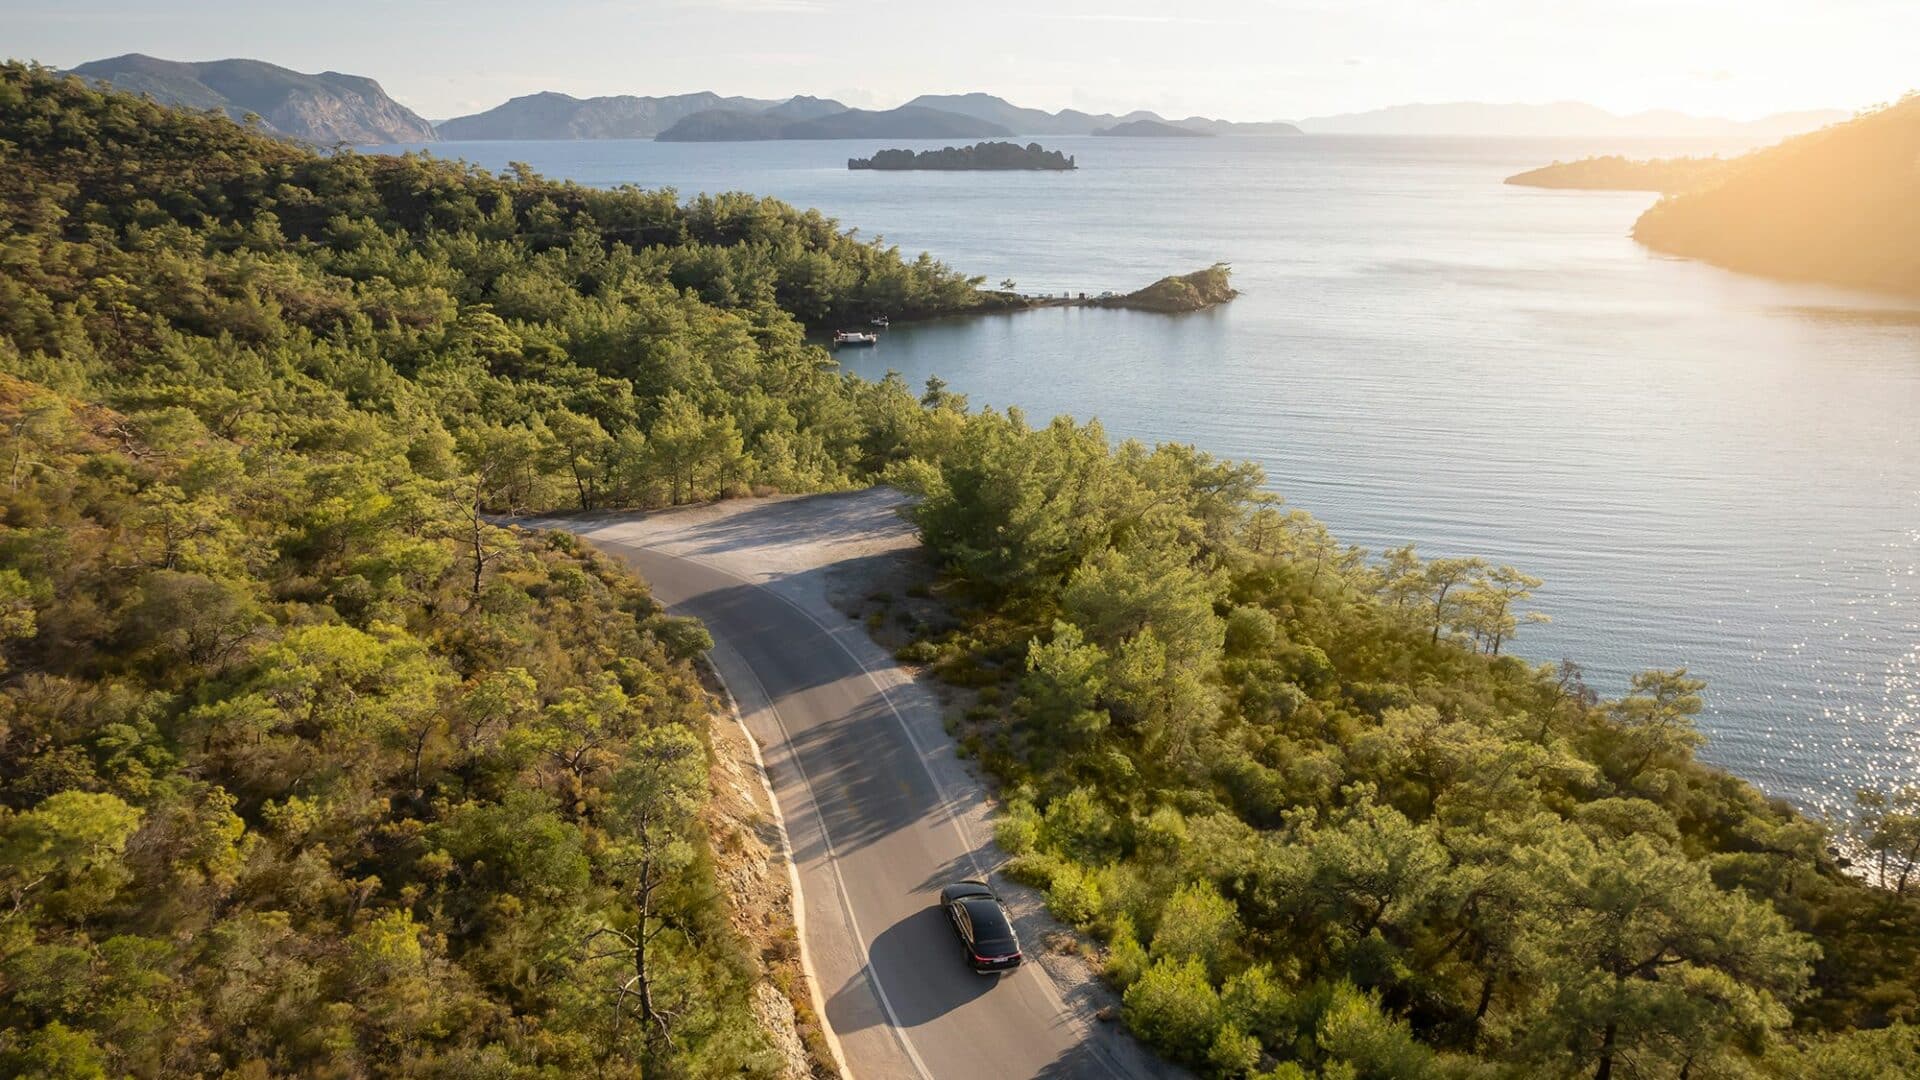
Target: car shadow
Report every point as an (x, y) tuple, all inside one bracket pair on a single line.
[(917, 962)]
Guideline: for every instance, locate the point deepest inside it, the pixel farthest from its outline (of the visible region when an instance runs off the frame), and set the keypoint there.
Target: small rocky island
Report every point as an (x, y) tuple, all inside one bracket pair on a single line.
[(986, 156), (1178, 293), (1616, 173)]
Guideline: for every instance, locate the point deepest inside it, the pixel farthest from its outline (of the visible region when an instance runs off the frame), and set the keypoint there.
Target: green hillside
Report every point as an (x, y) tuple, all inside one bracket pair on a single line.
[(305, 769), (1840, 205)]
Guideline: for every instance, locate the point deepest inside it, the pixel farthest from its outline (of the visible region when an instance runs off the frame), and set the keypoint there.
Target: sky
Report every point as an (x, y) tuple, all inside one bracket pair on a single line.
[(1234, 59)]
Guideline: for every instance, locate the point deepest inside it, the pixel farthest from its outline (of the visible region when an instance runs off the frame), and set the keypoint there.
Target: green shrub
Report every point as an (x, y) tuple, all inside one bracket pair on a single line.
[(1018, 829), (917, 652), (1126, 960), (1073, 896), (1175, 1009)]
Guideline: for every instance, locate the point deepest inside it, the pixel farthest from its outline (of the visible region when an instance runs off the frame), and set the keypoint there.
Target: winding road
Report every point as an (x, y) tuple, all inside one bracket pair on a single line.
[(878, 820)]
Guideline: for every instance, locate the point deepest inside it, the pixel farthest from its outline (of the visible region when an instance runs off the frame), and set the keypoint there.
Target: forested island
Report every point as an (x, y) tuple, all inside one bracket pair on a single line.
[(984, 156), (307, 770), (1616, 173), (1834, 206)]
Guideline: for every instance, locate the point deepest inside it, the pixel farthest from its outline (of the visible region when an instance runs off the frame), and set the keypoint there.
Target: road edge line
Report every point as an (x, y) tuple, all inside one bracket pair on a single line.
[(814, 991), (833, 862)]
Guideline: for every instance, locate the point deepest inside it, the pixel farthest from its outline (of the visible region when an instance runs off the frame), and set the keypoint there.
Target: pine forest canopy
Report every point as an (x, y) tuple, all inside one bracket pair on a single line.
[(306, 769)]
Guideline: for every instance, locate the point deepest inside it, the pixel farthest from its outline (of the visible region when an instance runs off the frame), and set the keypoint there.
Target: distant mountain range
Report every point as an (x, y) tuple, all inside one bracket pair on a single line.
[(707, 117), (326, 108), (1561, 118), (331, 107), (550, 115), (905, 122), (1074, 122)]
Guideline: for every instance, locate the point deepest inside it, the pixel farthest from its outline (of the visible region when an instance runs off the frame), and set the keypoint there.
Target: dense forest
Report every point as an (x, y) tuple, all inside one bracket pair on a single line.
[(305, 768), (1326, 823), (1840, 205)]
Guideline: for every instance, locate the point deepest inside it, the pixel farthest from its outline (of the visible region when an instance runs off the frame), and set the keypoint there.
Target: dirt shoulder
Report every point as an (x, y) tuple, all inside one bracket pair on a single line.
[(751, 860)]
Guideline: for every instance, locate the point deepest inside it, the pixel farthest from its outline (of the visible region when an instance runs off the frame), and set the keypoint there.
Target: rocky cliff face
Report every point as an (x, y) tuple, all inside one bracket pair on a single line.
[(326, 108)]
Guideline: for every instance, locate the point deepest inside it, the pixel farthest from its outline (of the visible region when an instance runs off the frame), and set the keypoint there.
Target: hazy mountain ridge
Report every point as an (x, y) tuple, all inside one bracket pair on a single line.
[(1026, 121), (324, 108), (333, 107), (905, 122), (552, 115), (806, 107), (1153, 129), (1559, 118)]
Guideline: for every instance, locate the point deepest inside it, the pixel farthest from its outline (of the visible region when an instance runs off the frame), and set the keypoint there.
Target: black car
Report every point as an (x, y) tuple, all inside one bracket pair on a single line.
[(986, 934)]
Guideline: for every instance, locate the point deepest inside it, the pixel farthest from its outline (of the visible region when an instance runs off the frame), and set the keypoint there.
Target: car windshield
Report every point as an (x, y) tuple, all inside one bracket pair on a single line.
[(990, 928)]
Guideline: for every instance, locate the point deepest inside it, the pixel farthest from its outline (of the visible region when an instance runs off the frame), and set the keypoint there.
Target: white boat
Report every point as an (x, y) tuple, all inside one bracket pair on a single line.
[(854, 338)]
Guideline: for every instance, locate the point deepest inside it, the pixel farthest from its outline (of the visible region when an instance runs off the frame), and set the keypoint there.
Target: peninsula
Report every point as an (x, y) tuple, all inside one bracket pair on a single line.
[(1179, 293), (980, 157), (1175, 294), (1833, 206), (1615, 173)]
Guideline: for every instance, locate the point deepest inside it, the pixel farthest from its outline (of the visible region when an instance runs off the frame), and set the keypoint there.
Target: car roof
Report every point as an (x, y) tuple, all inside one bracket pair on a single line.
[(989, 918)]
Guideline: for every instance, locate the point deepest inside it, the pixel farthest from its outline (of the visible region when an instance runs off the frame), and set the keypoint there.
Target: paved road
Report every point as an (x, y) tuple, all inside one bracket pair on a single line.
[(874, 839)]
